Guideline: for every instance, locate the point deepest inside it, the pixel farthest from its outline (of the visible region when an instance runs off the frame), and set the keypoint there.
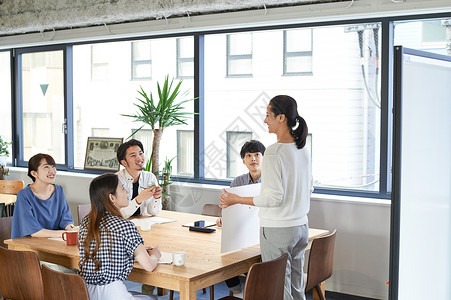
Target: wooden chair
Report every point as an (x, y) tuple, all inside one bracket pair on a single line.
[(11, 187), (320, 263), (63, 286), (265, 280), (5, 230), (212, 210), (83, 210), (2, 209), (20, 275)]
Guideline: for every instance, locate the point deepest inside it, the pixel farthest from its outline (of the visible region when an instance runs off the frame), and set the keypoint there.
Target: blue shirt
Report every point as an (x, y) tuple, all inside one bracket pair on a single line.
[(32, 214), (244, 179)]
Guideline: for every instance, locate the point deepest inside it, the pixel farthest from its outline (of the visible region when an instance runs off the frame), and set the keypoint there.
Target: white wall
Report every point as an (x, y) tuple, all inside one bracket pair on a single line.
[(361, 262)]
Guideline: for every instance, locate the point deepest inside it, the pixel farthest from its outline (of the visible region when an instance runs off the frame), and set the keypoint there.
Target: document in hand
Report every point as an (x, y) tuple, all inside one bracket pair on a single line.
[(240, 223)]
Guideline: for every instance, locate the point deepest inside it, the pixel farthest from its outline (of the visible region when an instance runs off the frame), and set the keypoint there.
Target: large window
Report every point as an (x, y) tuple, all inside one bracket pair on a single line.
[(427, 35), (42, 93), (5, 99), (67, 93), (101, 104), (340, 102)]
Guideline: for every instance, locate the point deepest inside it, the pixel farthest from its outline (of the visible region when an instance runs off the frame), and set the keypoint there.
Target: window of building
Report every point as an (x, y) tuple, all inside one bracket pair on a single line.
[(297, 52), (235, 140), (98, 104), (99, 62), (345, 101), (239, 54), (145, 136), (42, 127), (340, 102), (427, 35), (141, 60), (185, 57), (5, 100), (185, 152)]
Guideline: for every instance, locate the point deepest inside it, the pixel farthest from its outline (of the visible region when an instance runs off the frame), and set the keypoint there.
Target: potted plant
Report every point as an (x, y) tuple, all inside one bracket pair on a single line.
[(4, 152), (169, 111), (166, 175)]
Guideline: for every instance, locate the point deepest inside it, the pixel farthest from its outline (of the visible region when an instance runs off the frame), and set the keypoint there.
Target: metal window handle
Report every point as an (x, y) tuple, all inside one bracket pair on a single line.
[(64, 127)]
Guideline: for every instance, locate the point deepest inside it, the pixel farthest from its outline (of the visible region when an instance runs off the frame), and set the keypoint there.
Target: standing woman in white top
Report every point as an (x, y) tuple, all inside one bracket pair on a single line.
[(284, 198)]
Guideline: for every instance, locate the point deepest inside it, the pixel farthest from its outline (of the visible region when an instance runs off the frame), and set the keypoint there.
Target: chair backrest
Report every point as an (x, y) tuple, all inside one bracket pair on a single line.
[(11, 186), (83, 210), (63, 286), (266, 280), (2, 209), (20, 275), (5, 230), (211, 210), (321, 260)]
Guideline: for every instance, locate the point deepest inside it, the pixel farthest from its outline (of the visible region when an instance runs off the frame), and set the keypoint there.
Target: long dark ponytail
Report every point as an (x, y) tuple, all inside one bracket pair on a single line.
[(285, 105)]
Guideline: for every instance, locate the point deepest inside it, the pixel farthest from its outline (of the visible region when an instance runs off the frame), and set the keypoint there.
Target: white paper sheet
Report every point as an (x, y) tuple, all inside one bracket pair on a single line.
[(240, 223), (151, 221), (166, 258)]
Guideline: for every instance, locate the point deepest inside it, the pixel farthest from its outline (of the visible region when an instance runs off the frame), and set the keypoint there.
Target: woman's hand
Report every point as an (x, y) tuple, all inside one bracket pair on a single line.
[(219, 222), (228, 199), (155, 251)]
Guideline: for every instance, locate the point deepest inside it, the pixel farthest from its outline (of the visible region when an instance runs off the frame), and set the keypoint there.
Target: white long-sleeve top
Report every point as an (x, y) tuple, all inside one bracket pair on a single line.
[(152, 206), (286, 186)]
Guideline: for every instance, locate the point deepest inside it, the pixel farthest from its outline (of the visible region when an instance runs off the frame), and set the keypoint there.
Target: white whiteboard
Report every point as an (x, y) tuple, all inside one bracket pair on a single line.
[(240, 223), (425, 185)]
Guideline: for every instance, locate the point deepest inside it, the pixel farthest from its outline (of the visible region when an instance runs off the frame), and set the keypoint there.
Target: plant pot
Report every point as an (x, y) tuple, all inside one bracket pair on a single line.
[(3, 160)]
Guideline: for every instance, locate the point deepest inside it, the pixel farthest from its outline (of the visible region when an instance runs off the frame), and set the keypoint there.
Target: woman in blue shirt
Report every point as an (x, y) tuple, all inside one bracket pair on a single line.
[(41, 208), (109, 244)]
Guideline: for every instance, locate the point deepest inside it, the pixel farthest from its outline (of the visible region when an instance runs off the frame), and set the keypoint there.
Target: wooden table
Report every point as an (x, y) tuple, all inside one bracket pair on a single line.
[(8, 199), (205, 265)]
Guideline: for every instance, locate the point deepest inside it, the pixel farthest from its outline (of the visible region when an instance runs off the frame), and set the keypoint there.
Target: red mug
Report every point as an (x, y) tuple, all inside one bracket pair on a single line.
[(71, 237)]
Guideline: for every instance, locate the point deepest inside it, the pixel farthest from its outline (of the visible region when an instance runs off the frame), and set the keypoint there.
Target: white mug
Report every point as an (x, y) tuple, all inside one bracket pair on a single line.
[(145, 226), (178, 258)]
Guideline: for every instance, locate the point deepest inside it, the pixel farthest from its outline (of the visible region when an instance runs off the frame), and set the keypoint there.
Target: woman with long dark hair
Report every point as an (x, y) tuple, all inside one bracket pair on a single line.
[(284, 199), (41, 208), (109, 243)]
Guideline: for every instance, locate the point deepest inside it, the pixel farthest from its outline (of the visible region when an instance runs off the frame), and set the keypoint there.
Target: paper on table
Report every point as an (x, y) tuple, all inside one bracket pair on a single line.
[(151, 221), (166, 258), (240, 223)]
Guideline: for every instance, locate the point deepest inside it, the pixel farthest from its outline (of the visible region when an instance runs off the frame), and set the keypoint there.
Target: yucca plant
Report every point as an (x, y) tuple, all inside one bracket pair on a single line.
[(168, 111)]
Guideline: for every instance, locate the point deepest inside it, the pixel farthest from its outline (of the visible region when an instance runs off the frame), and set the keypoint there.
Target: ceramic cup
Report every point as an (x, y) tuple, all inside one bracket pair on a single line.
[(179, 258), (71, 237)]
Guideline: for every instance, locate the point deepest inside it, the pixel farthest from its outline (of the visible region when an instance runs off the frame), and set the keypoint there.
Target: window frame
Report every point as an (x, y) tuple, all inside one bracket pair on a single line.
[(137, 62), (182, 60), (234, 57), (289, 54)]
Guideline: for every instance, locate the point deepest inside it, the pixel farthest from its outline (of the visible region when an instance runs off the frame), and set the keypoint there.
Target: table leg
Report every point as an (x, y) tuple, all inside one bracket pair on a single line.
[(187, 292)]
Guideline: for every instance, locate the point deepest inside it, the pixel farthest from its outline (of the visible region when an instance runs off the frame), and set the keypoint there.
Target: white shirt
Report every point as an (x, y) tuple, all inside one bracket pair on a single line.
[(152, 206), (287, 184)]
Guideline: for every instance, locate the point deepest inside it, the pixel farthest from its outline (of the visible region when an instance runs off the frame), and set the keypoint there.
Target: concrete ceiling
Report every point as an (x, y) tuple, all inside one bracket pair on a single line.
[(26, 16)]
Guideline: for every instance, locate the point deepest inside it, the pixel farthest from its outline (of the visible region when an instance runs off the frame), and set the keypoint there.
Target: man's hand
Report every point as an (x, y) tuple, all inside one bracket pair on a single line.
[(146, 194)]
